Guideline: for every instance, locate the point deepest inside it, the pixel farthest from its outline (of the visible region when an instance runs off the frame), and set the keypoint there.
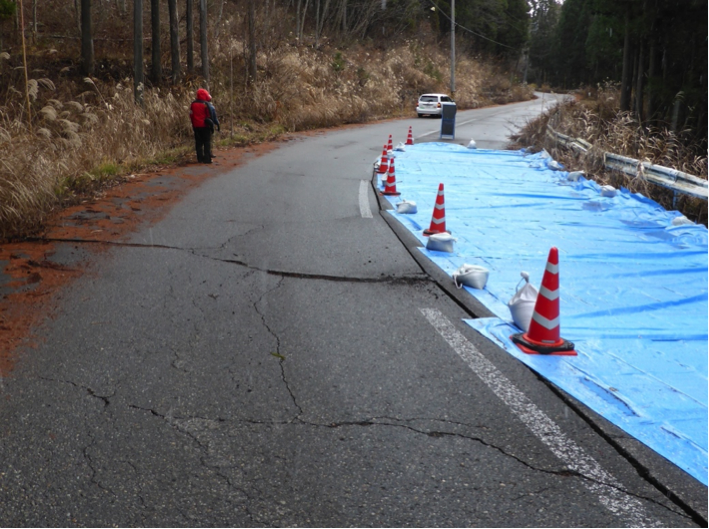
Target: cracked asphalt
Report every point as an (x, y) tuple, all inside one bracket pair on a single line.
[(258, 357)]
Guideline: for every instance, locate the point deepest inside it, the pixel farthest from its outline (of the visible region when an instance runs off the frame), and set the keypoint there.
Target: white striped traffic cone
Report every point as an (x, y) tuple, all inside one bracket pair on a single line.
[(438, 219), (384, 164), (544, 334), (390, 185)]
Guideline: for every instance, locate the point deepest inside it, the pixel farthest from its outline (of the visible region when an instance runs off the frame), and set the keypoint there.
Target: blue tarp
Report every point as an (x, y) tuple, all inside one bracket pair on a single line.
[(633, 286)]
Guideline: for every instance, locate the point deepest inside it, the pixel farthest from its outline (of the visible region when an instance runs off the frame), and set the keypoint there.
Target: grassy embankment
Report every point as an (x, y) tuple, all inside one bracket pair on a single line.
[(595, 117)]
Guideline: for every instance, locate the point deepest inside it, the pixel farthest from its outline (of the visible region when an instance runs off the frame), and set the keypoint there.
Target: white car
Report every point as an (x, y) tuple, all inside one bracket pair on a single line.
[(432, 104)]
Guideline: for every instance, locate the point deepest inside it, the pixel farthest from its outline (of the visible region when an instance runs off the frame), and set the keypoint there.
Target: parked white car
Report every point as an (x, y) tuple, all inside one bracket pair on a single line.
[(432, 104)]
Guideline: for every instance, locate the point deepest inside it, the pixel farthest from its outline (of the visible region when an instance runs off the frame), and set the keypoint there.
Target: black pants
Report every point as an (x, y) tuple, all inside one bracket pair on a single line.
[(203, 144)]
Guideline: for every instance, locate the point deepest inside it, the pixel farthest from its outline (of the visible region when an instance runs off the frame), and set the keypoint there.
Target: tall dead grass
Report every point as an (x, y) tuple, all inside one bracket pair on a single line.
[(74, 145), (85, 133), (599, 121)]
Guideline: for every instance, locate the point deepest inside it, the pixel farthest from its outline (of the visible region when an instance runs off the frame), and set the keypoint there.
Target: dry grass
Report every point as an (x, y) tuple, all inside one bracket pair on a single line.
[(74, 146), (84, 134), (598, 121)]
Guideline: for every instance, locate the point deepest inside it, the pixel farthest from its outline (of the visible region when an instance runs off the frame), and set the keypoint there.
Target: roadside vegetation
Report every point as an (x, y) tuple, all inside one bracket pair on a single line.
[(595, 116), (69, 135), (79, 112)]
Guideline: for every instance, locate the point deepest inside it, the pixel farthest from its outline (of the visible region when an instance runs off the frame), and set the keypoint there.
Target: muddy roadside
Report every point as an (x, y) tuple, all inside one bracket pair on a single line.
[(34, 271)]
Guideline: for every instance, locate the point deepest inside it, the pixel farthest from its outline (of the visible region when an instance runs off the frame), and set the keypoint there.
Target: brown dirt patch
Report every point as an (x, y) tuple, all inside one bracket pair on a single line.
[(32, 272)]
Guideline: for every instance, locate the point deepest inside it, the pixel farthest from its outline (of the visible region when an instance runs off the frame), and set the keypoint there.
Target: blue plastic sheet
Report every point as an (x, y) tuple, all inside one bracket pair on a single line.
[(633, 286)]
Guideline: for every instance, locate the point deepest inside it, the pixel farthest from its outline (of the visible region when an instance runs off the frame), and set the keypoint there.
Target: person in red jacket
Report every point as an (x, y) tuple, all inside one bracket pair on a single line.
[(202, 125)]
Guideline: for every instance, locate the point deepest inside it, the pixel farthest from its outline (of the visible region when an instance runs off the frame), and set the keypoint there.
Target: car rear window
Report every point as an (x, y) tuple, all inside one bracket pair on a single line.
[(446, 99), (429, 99)]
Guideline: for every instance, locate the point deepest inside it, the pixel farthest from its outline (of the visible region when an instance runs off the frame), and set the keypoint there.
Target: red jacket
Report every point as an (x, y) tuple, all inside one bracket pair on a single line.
[(199, 111)]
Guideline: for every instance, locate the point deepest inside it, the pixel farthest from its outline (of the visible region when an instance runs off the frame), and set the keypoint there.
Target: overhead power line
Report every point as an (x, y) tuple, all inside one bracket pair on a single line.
[(469, 30)]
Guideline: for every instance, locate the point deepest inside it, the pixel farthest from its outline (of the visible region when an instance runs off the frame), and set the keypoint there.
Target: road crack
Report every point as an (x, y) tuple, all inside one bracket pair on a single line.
[(277, 353)]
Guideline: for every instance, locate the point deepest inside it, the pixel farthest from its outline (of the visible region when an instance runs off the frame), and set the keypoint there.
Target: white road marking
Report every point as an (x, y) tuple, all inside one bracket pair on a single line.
[(364, 209), (599, 482)]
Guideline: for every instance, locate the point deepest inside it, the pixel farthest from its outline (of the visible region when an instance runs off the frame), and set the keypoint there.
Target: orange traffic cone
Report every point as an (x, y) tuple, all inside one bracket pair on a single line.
[(410, 138), (390, 145), (543, 336), (390, 185), (438, 220), (384, 164)]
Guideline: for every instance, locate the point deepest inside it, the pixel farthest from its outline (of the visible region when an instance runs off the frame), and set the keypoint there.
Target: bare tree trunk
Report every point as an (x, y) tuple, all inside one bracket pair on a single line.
[(651, 73), (297, 19), (77, 13), (343, 14), (156, 67), (139, 77), (626, 83), (252, 41), (203, 40), (190, 35), (24, 61), (34, 20), (87, 41), (639, 82), (217, 25), (174, 41), (320, 21), (302, 21), (121, 7)]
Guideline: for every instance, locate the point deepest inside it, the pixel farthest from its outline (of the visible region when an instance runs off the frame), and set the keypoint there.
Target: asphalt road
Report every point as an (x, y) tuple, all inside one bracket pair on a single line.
[(271, 354)]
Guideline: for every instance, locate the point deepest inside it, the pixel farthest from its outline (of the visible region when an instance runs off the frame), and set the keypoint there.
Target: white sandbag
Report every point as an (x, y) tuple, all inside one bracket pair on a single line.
[(407, 207), (575, 175), (522, 303), (472, 145), (681, 221), (555, 166), (608, 191), (472, 276), (441, 242), (400, 147)]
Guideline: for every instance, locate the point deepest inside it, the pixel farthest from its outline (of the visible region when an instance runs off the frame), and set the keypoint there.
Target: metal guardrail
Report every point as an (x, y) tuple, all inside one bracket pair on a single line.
[(677, 181)]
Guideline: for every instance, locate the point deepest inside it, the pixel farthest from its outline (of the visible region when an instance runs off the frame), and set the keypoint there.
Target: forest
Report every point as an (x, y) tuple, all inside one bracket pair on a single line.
[(91, 89)]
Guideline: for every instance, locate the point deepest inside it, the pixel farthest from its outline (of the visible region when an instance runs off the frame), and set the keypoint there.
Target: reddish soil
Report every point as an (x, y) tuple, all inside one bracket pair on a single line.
[(29, 277)]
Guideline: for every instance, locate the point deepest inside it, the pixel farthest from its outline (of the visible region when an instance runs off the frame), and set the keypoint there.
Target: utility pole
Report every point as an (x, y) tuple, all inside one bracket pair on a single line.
[(453, 49), (139, 78)]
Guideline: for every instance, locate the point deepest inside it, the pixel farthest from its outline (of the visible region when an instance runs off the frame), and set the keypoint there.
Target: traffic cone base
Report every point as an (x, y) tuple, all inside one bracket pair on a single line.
[(531, 347), (429, 232)]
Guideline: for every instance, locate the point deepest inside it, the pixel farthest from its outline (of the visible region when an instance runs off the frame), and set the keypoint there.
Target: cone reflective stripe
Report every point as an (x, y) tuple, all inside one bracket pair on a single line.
[(390, 145), (438, 220), (544, 334), (390, 185), (410, 138), (384, 164)]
